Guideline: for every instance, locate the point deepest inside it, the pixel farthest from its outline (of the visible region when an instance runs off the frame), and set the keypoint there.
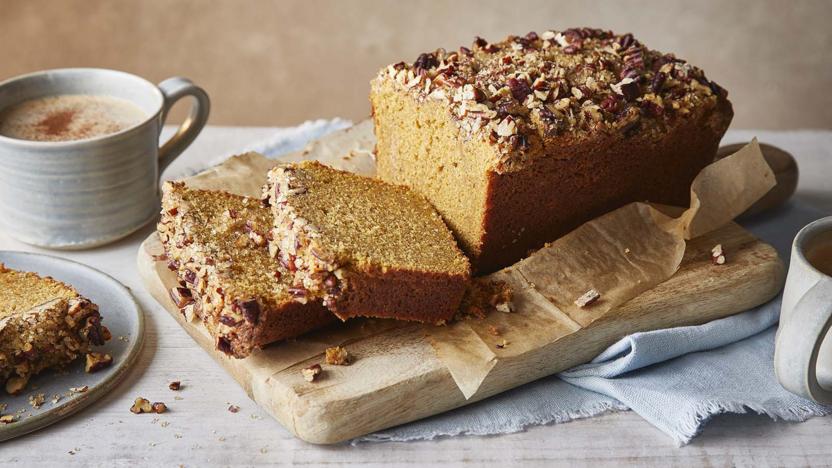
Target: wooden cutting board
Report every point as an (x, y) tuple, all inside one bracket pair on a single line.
[(397, 378)]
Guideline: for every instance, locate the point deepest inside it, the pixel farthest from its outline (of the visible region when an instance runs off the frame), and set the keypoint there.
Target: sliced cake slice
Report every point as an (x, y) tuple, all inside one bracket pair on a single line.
[(368, 248), (44, 324), (216, 243)]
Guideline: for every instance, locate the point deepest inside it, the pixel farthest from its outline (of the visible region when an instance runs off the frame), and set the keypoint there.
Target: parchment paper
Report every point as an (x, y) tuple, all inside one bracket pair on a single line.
[(620, 254)]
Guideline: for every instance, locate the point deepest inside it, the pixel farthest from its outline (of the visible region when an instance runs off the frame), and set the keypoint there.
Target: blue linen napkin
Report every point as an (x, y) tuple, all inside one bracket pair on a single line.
[(676, 379)]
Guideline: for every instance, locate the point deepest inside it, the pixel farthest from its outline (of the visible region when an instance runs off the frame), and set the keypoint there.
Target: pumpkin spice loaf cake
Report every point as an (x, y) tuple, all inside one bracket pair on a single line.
[(518, 142), (366, 247), (216, 242), (43, 324)]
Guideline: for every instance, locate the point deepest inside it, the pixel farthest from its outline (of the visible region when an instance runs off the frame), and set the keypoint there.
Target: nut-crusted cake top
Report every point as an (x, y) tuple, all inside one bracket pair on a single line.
[(226, 234), (581, 81)]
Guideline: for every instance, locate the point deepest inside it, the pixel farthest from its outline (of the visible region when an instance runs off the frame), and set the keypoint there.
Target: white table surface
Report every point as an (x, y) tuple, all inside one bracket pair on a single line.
[(201, 432)]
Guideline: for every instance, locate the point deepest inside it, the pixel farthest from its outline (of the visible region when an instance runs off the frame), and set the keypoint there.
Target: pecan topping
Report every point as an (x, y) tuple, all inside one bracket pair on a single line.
[(224, 345), (190, 277), (519, 88), (250, 310), (181, 296)]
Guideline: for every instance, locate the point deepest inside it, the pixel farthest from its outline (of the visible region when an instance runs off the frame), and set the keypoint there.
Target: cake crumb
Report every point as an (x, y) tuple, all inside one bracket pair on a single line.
[(36, 401), (7, 419), (80, 389), (337, 356), (718, 255), (493, 330), (588, 298), (484, 296), (503, 344)]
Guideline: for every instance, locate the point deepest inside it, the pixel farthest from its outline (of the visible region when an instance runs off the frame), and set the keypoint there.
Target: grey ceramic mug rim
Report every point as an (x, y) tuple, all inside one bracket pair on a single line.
[(77, 143), (806, 234)]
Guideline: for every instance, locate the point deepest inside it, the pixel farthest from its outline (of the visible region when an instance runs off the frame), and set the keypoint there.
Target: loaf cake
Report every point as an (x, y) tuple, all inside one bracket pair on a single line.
[(216, 243), (44, 324), (518, 142), (367, 248)]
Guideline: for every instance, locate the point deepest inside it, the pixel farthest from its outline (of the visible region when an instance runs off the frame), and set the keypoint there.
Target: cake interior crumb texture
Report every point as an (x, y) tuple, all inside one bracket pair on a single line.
[(23, 290), (392, 253), (517, 142), (216, 242)]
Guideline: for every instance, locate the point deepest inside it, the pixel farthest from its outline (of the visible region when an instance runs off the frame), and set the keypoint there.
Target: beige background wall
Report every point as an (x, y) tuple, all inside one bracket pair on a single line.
[(281, 62)]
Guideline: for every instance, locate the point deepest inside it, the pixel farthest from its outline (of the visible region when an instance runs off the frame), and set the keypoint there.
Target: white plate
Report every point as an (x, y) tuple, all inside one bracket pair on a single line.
[(119, 312)]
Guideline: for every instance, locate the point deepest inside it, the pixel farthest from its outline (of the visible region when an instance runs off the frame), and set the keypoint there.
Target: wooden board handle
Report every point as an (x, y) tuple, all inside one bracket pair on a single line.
[(785, 171)]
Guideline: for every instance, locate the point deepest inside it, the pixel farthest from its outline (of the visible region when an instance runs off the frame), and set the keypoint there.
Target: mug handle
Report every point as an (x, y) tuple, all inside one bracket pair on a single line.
[(798, 344), (174, 89)]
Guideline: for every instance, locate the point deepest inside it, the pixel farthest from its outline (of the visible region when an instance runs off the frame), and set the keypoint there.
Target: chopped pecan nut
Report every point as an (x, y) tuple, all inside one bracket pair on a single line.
[(181, 296), (337, 356), (97, 361), (312, 372), (175, 385), (250, 310), (588, 298), (141, 405), (158, 407)]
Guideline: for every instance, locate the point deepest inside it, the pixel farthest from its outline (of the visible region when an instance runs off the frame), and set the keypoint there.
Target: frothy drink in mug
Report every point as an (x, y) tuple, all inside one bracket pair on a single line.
[(80, 153), (69, 117)]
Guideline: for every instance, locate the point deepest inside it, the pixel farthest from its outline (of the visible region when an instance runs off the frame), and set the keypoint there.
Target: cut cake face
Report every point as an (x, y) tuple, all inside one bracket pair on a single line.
[(367, 248)]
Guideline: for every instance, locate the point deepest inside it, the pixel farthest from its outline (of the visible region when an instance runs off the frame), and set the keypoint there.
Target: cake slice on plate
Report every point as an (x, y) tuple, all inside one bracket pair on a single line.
[(366, 247), (216, 243), (44, 324)]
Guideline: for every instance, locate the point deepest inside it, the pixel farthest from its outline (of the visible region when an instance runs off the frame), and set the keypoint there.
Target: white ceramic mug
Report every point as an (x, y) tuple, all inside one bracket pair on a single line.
[(803, 351), (83, 193)]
